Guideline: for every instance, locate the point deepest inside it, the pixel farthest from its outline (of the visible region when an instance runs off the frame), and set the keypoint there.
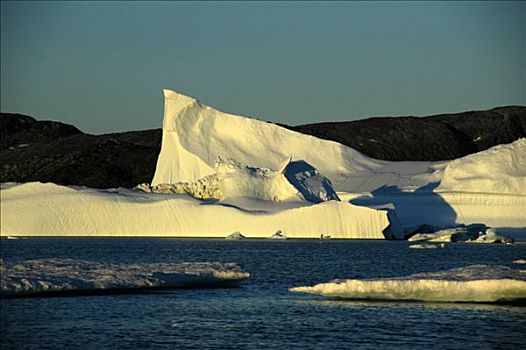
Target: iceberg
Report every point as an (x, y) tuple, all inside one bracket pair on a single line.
[(424, 246), (235, 236), (218, 173), (184, 157), (474, 233), (487, 187), (47, 276), (476, 283), (500, 169), (54, 210), (293, 181), (296, 198), (278, 235), (490, 236)]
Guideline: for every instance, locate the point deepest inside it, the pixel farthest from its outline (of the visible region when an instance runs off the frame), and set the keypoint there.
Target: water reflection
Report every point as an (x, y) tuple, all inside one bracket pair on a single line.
[(514, 307)]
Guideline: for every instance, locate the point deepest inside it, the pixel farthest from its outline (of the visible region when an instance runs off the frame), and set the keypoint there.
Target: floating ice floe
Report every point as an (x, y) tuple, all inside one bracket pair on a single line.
[(33, 277), (235, 236), (279, 235), (425, 246), (476, 283), (474, 233)]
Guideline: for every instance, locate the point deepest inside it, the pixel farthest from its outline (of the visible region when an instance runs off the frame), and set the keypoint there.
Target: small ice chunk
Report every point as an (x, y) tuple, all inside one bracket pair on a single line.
[(474, 233), (278, 235), (490, 236), (235, 236), (423, 246)]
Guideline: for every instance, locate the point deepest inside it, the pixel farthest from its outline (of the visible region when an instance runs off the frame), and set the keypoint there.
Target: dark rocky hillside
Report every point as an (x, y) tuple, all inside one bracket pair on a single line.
[(17, 129), (47, 151), (54, 152), (438, 137)]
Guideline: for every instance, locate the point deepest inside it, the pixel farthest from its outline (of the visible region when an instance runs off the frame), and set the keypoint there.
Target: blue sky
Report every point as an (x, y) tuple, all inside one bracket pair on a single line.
[(102, 66)]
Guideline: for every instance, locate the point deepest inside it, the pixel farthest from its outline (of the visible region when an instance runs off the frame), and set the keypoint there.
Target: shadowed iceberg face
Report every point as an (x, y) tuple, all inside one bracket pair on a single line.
[(312, 185)]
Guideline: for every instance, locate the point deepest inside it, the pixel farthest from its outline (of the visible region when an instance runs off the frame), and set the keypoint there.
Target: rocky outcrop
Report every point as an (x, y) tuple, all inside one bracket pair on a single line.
[(439, 137)]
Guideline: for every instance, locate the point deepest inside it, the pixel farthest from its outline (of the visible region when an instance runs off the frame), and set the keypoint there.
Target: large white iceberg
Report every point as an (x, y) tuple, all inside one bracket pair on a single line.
[(195, 135), (37, 209), (33, 277), (269, 178), (476, 283), (487, 187)]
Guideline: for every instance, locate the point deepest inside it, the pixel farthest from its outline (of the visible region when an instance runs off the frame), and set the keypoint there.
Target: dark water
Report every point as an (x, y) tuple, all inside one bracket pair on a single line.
[(261, 314)]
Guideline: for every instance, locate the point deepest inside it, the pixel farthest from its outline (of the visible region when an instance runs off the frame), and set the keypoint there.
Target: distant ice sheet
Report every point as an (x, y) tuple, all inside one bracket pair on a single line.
[(69, 275), (476, 283)]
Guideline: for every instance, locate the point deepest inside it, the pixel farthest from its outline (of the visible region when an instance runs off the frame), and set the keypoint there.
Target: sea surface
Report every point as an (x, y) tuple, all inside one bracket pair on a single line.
[(262, 313)]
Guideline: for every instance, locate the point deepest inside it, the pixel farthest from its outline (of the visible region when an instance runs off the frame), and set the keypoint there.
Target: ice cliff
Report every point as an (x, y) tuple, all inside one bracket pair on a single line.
[(196, 135)]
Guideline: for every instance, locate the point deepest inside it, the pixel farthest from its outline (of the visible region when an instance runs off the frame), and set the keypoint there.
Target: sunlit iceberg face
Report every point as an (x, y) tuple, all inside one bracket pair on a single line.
[(477, 283), (293, 181)]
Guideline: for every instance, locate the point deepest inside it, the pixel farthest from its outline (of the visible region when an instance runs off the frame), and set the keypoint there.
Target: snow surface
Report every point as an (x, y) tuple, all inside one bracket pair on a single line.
[(37, 209), (476, 283), (500, 169), (67, 275)]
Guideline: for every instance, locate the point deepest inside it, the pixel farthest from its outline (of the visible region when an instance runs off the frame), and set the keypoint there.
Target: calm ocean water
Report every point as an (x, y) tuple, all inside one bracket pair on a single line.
[(262, 314)]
